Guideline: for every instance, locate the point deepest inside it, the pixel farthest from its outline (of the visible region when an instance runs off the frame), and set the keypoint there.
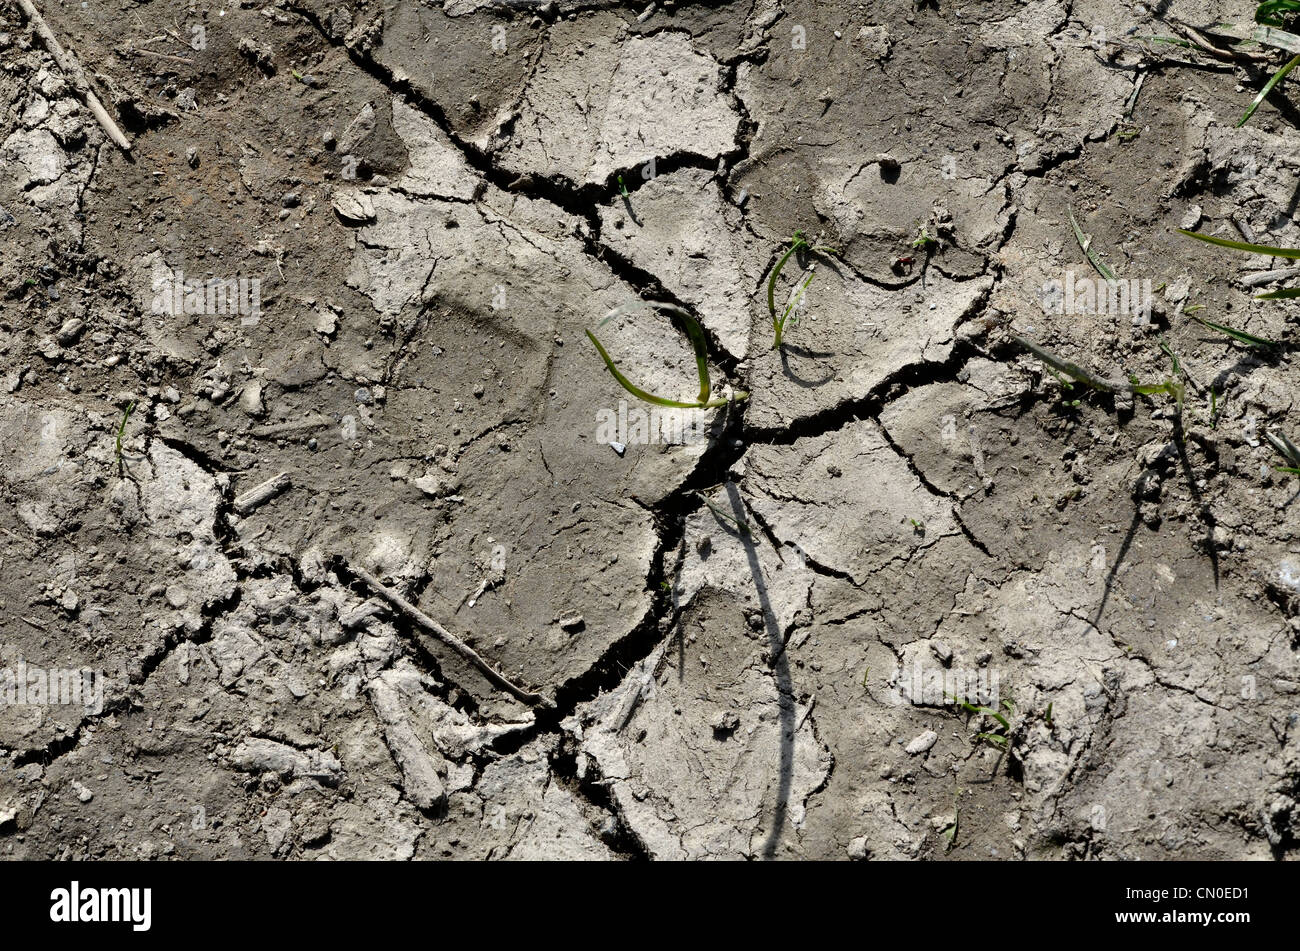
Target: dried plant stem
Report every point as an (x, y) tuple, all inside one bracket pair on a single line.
[(68, 63), (448, 638)]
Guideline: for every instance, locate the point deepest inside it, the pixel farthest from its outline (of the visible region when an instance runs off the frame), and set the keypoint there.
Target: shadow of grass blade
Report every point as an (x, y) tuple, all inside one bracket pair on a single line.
[(1240, 336), (121, 430), (1293, 253), (1268, 88)]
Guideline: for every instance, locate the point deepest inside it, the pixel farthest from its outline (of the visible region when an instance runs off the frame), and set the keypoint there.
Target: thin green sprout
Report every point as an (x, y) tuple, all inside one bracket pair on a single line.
[(1240, 336), (121, 429), (1085, 242), (1293, 253), (701, 360), (1268, 88), (742, 526), (797, 243)]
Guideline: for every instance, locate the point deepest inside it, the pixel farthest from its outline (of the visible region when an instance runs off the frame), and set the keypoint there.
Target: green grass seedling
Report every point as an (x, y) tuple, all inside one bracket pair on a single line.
[(797, 243), (121, 430), (698, 343), (1085, 242), (741, 526), (1287, 449), (1240, 336), (1171, 387)]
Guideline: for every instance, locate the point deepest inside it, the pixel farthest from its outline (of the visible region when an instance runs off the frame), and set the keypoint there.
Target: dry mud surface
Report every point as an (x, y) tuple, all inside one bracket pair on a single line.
[(427, 195)]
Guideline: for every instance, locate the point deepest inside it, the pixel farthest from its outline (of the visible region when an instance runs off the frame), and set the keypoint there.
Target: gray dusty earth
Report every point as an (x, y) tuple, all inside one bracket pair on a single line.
[(322, 333)]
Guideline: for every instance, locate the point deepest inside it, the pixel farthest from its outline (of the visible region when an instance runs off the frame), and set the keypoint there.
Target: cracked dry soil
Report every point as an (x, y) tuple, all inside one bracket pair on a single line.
[(428, 194)]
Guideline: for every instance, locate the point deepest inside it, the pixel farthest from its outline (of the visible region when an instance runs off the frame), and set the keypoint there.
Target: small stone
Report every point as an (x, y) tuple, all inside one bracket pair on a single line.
[(192, 157), (618, 447), (84, 794), (1191, 218), (71, 330), (277, 824), (354, 207), (291, 200), (572, 623), (941, 651), (69, 601), (363, 396), (250, 399), (724, 725), (922, 743), (858, 850), (428, 483), (177, 596)]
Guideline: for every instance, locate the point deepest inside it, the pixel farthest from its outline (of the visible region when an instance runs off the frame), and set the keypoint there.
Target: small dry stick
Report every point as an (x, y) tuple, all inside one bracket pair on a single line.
[(1206, 46), (448, 638), (68, 63), (279, 429), (141, 51), (261, 494)]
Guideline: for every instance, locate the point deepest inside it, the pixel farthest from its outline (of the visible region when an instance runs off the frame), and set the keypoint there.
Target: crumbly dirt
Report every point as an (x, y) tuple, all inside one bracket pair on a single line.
[(733, 635)]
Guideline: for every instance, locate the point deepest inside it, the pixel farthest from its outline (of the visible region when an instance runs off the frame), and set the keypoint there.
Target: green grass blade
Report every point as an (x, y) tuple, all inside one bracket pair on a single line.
[(743, 527), (1293, 253), (1171, 40), (1271, 12), (1268, 88), (700, 346), (1285, 294), (1085, 242), (698, 343), (1065, 366), (632, 387), (1240, 336), (1173, 357), (794, 302), (1276, 38), (796, 243), (1284, 446)]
